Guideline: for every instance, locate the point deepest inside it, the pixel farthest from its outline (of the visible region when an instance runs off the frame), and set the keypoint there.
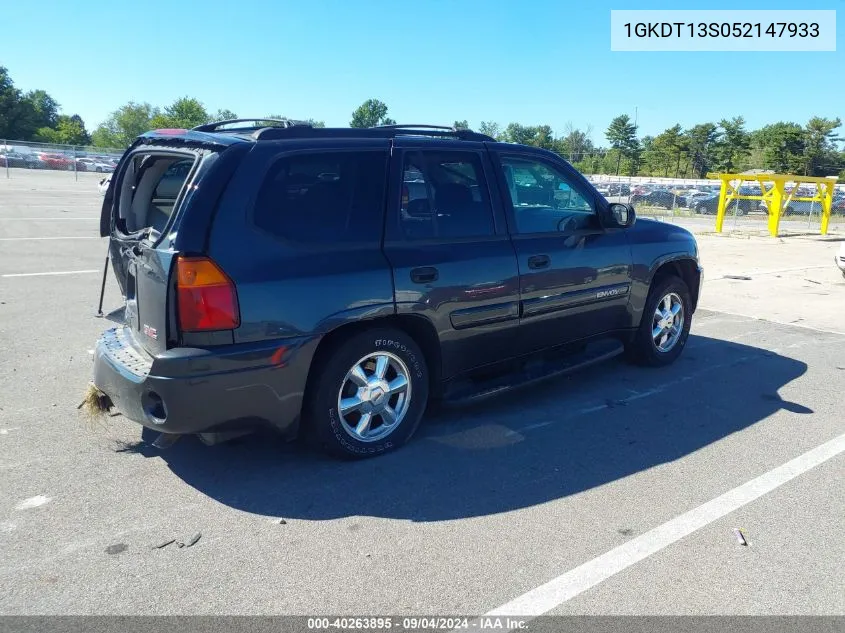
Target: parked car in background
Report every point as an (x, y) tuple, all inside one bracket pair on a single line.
[(796, 207), (710, 204), (95, 165), (657, 198), (691, 197), (57, 161), (13, 159)]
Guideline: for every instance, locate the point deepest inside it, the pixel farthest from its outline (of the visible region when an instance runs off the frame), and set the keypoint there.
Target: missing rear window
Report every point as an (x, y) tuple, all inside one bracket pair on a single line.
[(151, 186)]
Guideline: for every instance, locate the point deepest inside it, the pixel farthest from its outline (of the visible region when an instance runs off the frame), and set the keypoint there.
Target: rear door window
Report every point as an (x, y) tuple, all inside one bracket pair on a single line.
[(444, 196), (324, 197)]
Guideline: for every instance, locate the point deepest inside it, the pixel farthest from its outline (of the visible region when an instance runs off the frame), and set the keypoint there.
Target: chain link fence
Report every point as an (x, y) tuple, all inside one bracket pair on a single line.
[(22, 158), (694, 201)]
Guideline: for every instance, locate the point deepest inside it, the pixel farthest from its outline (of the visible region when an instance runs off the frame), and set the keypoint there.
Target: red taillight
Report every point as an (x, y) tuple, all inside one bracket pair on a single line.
[(207, 299)]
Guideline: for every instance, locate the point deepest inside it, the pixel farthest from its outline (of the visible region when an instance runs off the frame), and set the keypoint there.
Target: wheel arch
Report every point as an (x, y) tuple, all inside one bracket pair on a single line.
[(418, 327), (686, 269)]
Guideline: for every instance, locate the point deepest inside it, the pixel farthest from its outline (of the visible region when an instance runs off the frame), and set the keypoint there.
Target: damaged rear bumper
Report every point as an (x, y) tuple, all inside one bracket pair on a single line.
[(190, 390)]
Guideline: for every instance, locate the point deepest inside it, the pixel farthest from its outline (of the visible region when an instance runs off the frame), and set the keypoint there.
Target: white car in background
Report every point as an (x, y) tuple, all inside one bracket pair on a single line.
[(103, 185), (840, 258), (92, 164)]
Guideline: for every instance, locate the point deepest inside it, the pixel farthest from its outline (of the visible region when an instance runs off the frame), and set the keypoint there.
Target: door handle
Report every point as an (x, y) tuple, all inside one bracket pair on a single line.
[(539, 261), (424, 275)]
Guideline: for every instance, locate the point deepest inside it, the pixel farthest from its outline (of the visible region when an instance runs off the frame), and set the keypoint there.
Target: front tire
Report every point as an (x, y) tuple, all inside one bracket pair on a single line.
[(665, 325), (370, 394)]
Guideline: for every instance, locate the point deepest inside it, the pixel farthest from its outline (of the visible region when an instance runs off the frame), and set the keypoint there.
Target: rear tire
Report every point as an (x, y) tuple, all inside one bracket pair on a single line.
[(665, 324), (363, 376)]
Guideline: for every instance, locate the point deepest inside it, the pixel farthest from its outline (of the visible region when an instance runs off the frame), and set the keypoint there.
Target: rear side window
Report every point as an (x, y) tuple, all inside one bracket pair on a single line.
[(324, 198), (444, 195)]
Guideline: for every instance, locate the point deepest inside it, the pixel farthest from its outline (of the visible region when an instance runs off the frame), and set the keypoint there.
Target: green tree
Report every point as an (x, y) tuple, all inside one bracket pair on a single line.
[(622, 135), (124, 125), (371, 113), (700, 141), (490, 129), (663, 154), (518, 133), (820, 146), (45, 107), (544, 137), (17, 115), (223, 115), (575, 144), (461, 125), (185, 112), (782, 147), (69, 130), (732, 145)]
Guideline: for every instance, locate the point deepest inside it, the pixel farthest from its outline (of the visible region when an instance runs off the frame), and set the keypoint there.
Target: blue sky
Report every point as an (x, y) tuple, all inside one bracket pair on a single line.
[(532, 61)]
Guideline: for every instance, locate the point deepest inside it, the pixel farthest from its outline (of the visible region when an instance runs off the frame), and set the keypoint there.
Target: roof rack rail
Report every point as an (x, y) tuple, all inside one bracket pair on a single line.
[(416, 126), (379, 131), (285, 123)]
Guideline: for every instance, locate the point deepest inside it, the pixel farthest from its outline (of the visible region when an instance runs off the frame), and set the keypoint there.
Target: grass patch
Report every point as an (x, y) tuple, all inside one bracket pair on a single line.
[(95, 406)]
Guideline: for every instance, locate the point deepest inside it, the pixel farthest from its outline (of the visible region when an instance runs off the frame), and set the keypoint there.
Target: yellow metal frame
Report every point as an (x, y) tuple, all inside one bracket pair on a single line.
[(775, 195)]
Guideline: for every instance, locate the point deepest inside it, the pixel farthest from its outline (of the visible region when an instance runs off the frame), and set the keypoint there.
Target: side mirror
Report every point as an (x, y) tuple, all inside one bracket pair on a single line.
[(621, 215)]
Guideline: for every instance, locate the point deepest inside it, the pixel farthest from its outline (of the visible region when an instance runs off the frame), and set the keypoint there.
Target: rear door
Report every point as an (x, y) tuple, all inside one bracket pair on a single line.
[(452, 259), (139, 213)]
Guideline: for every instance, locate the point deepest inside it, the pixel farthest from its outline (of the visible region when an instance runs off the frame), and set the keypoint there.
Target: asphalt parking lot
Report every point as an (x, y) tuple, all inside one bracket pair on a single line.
[(615, 491)]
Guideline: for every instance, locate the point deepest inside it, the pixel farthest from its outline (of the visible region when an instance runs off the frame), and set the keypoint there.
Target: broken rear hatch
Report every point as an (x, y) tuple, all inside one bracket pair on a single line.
[(143, 208)]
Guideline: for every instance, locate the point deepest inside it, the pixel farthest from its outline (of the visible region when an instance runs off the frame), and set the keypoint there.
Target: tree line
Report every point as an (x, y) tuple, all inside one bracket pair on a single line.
[(727, 145)]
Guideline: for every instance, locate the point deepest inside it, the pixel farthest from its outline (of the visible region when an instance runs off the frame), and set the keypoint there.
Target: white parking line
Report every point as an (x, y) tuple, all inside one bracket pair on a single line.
[(26, 239), (576, 581), (62, 272)]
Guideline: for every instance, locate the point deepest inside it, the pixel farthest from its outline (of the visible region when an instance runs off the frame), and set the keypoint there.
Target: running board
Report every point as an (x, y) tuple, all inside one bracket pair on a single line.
[(470, 392)]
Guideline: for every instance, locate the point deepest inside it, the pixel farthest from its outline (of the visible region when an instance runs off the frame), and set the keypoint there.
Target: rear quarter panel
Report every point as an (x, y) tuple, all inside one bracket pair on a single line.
[(286, 289)]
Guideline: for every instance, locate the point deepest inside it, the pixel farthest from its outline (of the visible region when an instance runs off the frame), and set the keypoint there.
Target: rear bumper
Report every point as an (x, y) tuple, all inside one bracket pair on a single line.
[(190, 390)]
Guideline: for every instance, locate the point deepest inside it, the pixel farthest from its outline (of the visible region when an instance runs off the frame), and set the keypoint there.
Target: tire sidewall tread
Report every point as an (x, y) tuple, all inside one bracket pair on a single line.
[(325, 424), (642, 350)]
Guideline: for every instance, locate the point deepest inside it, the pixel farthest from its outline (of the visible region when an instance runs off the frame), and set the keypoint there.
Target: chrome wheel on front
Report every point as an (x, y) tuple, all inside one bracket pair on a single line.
[(668, 322), (374, 397)]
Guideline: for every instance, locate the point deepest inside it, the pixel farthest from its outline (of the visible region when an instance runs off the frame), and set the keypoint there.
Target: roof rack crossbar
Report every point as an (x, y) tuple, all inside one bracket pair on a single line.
[(285, 123)]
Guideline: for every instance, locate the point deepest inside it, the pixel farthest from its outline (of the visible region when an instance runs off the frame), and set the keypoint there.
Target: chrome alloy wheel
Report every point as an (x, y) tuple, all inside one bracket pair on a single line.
[(668, 322), (374, 396)]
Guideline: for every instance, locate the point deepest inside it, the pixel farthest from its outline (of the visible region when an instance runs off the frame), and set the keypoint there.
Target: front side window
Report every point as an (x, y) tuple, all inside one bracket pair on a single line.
[(324, 198), (444, 196), (544, 198)]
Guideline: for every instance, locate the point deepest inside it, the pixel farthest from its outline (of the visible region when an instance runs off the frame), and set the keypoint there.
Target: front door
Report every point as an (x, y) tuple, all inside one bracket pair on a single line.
[(453, 261), (575, 275)]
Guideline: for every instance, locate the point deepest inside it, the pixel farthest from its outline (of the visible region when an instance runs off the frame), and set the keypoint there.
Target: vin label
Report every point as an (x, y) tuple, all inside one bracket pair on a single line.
[(723, 30)]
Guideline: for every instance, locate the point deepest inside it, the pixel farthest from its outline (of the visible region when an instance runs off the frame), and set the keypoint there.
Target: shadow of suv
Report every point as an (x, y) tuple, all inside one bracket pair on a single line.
[(335, 281)]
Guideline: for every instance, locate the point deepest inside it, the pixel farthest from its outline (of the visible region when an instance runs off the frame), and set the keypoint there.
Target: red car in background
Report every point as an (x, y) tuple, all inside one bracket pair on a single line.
[(57, 161)]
